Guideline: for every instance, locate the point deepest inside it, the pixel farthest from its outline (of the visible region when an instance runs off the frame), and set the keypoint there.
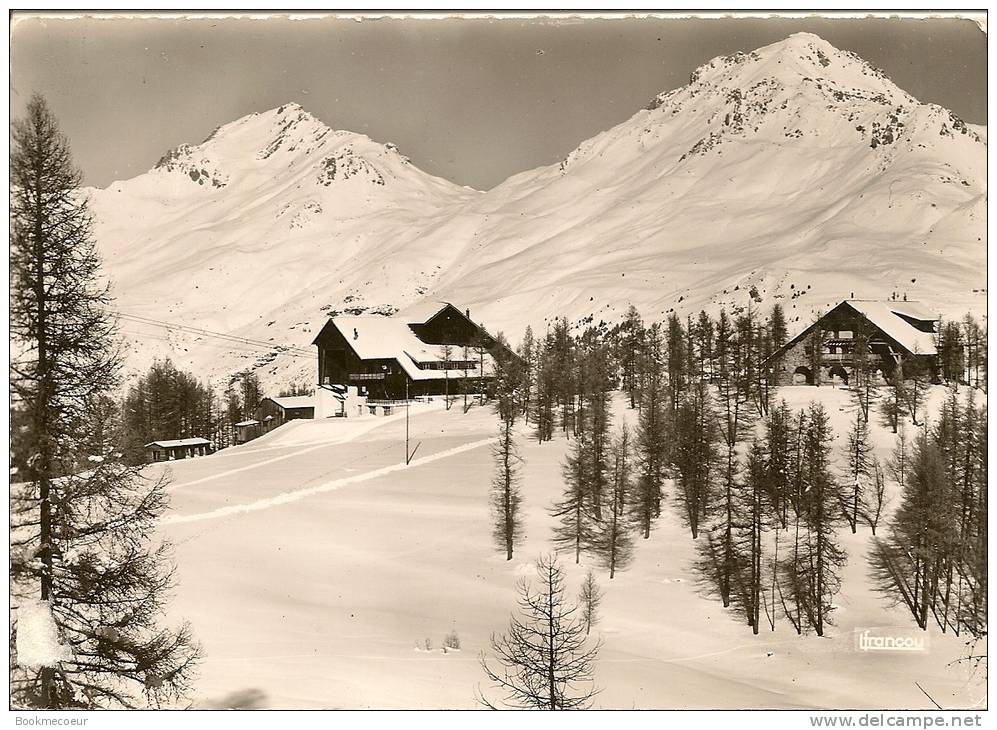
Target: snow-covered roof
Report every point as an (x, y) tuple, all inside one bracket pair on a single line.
[(250, 422), (391, 338), (374, 338), (173, 443), (886, 316), (293, 401), (422, 312), (914, 310)]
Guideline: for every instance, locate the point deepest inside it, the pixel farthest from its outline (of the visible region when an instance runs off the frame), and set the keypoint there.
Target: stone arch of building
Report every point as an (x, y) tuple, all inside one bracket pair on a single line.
[(837, 370), (805, 373)]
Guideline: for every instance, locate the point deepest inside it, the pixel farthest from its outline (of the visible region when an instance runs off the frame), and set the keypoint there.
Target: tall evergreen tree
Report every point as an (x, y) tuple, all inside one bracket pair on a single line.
[(916, 389), (814, 349), (908, 561), (695, 454), (506, 498), (720, 555), (975, 342), (251, 392), (820, 502), (545, 395), (777, 326), (677, 359), (865, 377), (874, 500), (81, 522), (527, 355), (779, 449), (859, 460), (704, 344), (596, 418), (754, 522), (893, 405), (951, 358), (574, 527), (508, 383), (652, 435), (631, 345), (613, 539)]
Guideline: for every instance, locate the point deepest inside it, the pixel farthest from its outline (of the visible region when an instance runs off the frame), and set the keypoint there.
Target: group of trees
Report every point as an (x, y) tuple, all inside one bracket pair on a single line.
[(83, 564), (672, 373), (933, 559), (168, 403), (962, 351), (465, 359), (761, 488)]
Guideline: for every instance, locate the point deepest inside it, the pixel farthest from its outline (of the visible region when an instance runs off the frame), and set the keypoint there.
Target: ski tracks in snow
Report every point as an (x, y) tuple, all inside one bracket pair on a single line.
[(299, 494)]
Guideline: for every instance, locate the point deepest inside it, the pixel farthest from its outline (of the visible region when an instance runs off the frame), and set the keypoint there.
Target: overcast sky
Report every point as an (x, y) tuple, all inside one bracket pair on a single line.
[(471, 100)]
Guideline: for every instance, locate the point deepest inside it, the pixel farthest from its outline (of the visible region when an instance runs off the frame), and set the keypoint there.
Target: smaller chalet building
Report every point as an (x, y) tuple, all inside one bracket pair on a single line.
[(171, 449), (894, 333), (413, 354), (277, 410)]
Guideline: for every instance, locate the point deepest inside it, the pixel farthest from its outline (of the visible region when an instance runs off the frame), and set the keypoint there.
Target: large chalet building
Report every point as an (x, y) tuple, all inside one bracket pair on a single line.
[(896, 332), (427, 351)]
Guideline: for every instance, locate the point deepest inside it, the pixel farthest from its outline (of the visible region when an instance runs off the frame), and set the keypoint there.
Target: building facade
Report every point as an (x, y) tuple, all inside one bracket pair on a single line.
[(171, 449), (275, 411), (428, 351), (885, 334)]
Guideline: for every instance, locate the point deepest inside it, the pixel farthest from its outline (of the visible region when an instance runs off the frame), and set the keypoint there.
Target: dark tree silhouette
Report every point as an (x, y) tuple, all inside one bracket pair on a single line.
[(81, 522), (544, 659), (506, 499)]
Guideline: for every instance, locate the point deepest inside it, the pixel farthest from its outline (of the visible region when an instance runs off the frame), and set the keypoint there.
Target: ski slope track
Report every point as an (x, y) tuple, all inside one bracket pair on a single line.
[(298, 494), (795, 173)]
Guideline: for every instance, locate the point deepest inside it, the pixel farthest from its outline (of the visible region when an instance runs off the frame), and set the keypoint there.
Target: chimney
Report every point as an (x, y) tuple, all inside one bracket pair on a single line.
[(467, 313), (356, 335)]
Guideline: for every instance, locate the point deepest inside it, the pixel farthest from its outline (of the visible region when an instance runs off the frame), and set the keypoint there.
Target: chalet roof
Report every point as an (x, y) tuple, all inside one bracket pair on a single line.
[(885, 315), (914, 310), (422, 312), (175, 443), (293, 401), (375, 338), (391, 338)]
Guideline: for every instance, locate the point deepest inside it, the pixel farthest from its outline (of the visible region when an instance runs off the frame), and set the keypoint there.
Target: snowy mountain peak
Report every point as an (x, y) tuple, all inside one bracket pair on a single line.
[(801, 91), (795, 173), (799, 59), (282, 141)]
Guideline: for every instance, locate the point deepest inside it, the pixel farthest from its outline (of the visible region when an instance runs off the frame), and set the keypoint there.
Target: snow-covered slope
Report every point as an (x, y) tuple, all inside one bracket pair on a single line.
[(797, 169), (261, 230), (796, 172)]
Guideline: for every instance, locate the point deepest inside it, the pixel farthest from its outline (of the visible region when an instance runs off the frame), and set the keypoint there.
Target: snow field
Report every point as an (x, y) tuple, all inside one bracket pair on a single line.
[(319, 601)]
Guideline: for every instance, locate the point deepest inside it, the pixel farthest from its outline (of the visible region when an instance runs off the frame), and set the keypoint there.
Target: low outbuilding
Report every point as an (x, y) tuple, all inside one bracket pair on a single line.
[(172, 449)]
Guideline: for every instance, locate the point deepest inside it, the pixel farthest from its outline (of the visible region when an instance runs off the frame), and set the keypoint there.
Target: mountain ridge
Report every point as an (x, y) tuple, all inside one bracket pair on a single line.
[(761, 180)]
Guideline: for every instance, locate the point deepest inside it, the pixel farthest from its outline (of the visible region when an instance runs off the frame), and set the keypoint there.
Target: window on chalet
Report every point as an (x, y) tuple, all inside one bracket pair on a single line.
[(448, 365)]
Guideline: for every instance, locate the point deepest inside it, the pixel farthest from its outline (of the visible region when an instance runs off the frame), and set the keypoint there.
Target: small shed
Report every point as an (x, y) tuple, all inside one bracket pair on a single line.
[(246, 430), (171, 449)]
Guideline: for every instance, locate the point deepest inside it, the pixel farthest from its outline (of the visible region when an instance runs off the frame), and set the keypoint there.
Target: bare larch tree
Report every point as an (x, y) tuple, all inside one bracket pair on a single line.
[(545, 660)]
